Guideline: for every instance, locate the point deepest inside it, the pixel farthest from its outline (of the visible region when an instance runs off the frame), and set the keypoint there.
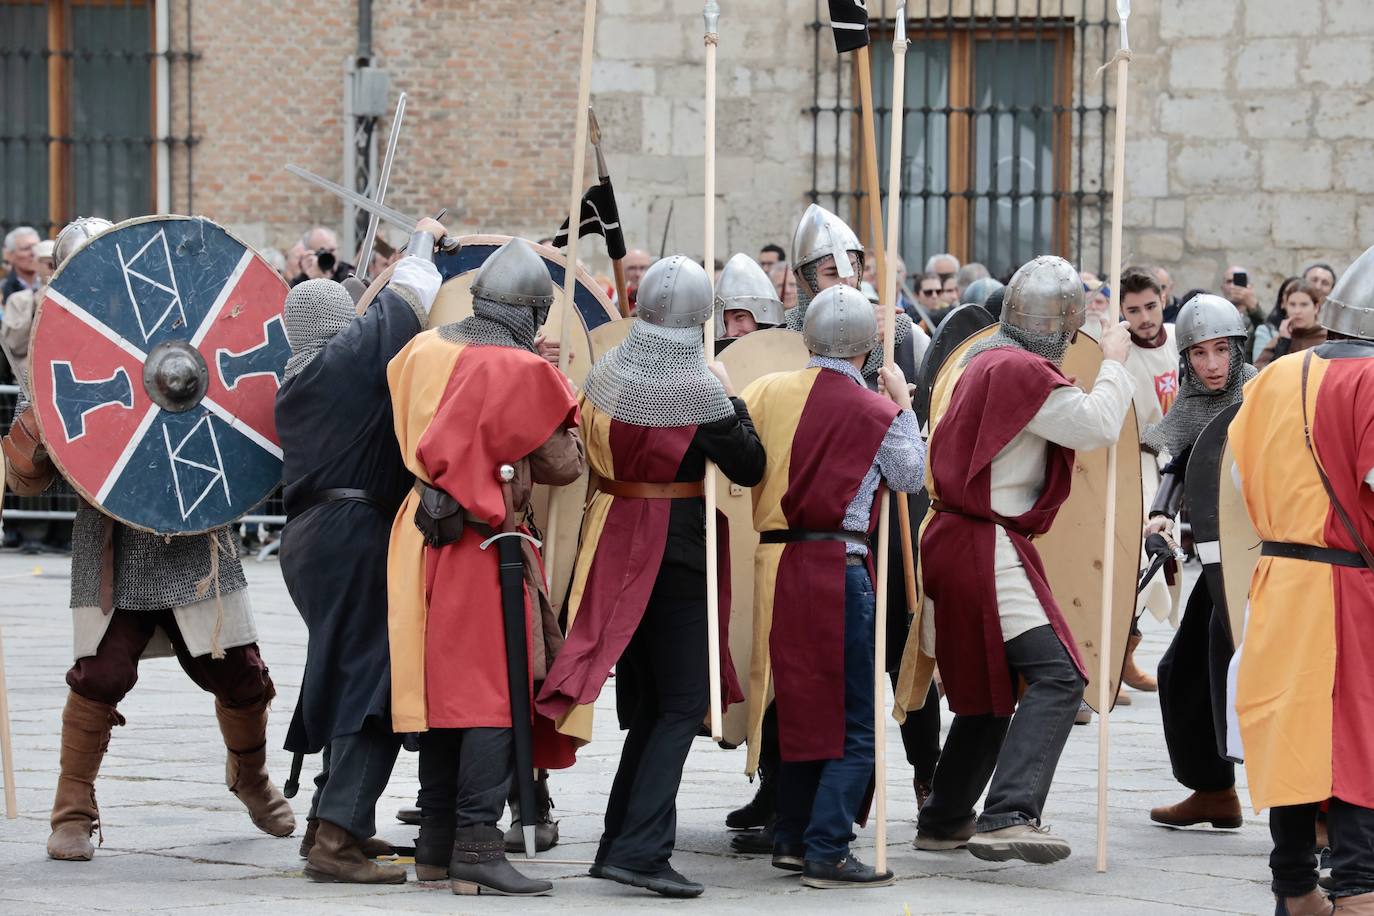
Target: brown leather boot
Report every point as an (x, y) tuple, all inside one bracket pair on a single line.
[(1312, 903), (372, 847), (1359, 905), (1133, 675), (245, 768), (336, 857), (1220, 809), (85, 736)]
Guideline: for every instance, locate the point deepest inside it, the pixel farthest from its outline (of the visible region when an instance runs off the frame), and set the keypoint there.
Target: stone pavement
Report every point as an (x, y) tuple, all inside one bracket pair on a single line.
[(175, 840)]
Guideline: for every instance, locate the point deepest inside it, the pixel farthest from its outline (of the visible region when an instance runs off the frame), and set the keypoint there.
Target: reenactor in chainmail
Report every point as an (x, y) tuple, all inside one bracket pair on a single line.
[(653, 415), (1000, 468), (137, 594), (1213, 370)]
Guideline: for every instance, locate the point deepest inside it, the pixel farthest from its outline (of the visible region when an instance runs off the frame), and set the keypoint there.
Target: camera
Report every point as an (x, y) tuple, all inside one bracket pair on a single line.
[(1241, 278), (325, 260)]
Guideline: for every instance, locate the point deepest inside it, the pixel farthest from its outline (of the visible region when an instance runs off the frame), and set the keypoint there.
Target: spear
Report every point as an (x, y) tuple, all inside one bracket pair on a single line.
[(889, 281), (711, 13), (1122, 59), (617, 263), (584, 90)]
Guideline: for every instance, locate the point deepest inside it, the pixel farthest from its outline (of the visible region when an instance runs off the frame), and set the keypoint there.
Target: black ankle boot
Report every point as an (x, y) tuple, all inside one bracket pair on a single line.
[(479, 866), (759, 812), (434, 847)]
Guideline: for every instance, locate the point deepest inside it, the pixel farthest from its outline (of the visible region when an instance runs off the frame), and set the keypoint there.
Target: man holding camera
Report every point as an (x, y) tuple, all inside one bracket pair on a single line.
[(321, 258), (1235, 286)]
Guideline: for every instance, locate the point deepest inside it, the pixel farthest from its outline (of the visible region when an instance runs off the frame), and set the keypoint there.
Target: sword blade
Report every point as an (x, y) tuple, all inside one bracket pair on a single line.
[(370, 239), (362, 202)]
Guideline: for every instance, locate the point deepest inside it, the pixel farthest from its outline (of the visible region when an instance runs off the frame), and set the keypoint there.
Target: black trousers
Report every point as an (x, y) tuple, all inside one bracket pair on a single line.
[(662, 679), (353, 774), (1192, 696), (1293, 862), (466, 771), (1019, 754)]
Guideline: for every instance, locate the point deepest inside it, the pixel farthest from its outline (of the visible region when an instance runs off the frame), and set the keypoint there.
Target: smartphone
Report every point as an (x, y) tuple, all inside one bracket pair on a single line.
[(1241, 278)]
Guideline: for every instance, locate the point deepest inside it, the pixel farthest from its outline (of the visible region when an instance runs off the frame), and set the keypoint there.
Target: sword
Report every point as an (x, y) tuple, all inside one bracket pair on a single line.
[(448, 244), (365, 254)]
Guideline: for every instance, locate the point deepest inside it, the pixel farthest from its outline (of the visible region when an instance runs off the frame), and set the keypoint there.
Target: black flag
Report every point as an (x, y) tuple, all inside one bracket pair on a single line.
[(849, 20), (599, 217)]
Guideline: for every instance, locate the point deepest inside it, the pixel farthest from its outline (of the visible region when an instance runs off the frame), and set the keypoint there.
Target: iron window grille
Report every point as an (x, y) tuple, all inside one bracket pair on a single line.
[(1004, 123)]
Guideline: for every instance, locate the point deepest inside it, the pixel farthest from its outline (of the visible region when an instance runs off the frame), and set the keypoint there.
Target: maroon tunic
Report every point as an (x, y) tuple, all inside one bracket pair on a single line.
[(999, 393), (837, 438)]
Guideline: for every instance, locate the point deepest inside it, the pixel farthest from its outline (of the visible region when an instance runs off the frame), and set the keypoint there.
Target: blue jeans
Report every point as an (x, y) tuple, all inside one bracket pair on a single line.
[(818, 800)]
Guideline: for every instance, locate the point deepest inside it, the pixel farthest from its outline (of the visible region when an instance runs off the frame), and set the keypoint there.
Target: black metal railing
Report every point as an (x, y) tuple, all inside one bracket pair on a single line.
[(1004, 118)]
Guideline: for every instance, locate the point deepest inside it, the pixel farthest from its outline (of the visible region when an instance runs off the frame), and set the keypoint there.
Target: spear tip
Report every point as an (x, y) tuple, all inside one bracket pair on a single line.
[(711, 13)]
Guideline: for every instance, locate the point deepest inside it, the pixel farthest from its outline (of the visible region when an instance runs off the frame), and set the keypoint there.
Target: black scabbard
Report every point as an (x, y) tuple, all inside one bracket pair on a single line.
[(512, 569)]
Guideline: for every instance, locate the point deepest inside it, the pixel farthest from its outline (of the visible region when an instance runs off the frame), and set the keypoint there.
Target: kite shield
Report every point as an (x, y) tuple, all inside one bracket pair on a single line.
[(1226, 540), (157, 353), (958, 327)]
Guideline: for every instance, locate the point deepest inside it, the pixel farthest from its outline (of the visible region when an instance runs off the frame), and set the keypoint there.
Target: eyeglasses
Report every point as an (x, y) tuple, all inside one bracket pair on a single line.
[(930, 292)]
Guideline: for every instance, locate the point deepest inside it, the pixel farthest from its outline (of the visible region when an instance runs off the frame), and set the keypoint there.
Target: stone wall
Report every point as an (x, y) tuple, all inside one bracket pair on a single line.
[(1249, 138)]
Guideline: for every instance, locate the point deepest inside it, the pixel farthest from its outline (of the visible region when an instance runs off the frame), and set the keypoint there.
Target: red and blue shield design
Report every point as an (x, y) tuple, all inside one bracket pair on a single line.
[(176, 445)]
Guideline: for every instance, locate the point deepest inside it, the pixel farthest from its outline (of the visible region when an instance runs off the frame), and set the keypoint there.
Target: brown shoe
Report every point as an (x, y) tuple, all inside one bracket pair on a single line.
[(372, 847), (923, 789), (1220, 809), (1133, 675), (245, 768), (1312, 903), (85, 736), (1359, 905), (337, 857)]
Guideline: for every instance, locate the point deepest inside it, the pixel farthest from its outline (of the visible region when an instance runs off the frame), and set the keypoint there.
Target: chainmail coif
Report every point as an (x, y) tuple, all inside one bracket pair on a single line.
[(497, 324), (658, 377), (796, 316), (1049, 346), (315, 311), (1196, 406)]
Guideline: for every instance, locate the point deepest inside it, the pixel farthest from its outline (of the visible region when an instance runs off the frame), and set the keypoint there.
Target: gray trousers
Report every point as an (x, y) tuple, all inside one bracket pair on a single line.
[(354, 772), (1019, 754)]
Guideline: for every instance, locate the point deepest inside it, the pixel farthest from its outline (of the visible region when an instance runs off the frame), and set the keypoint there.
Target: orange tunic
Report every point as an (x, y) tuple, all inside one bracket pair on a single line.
[(1305, 681)]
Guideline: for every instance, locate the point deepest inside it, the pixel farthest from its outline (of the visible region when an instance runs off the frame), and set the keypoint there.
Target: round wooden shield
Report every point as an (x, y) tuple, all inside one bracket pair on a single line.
[(593, 310), (958, 326), (1072, 548), (748, 358), (157, 353), (608, 336)]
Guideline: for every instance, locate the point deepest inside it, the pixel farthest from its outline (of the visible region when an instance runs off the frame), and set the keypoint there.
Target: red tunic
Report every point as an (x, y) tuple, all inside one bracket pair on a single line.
[(998, 394)]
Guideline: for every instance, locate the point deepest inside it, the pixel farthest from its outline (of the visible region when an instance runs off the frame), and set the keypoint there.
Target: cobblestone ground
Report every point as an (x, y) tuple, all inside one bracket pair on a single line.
[(174, 839)]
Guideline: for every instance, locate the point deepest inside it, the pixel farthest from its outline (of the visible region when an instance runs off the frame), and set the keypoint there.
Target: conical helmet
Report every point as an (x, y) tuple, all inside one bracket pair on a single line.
[(744, 285), (1207, 317), (841, 322), (514, 274), (821, 234), (75, 234), (1349, 308), (674, 293), (1045, 296)]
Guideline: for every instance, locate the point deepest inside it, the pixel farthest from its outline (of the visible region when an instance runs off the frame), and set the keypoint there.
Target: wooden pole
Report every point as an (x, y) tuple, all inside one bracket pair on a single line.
[(622, 295), (873, 192), (1104, 698), (889, 282), (6, 741), (584, 92), (711, 13)]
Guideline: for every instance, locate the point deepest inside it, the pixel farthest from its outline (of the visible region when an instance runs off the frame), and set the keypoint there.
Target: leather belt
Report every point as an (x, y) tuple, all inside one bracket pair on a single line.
[(1007, 523), (802, 535), (633, 489), (1330, 555), (330, 495)]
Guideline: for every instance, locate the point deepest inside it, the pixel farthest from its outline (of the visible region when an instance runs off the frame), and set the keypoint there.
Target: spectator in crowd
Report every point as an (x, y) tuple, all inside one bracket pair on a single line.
[(1235, 286), (1298, 331), (946, 265), (20, 246), (928, 286), (1099, 316), (771, 255), (1267, 331), (636, 261), (16, 320), (949, 289), (968, 275), (1166, 288), (1321, 277), (293, 261), (321, 257), (785, 284)]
